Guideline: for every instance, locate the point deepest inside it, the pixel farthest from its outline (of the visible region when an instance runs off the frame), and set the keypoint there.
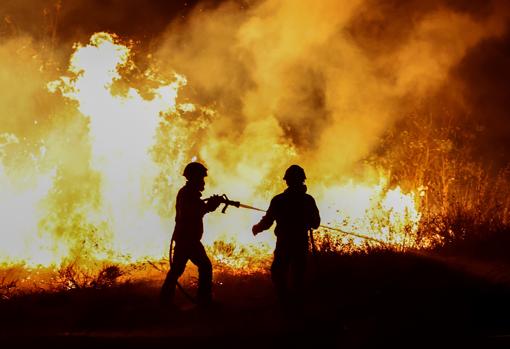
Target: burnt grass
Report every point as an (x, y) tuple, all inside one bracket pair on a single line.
[(378, 299)]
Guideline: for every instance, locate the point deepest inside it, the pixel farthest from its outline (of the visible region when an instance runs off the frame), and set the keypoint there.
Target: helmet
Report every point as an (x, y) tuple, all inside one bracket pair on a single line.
[(194, 170), (295, 173)]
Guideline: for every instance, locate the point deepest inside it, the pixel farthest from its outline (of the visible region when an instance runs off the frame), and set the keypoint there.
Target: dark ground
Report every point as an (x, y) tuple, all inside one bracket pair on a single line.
[(382, 299)]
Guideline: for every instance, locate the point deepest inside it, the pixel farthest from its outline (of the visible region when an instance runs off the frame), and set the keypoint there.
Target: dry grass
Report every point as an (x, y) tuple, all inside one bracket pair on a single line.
[(72, 277), (357, 300), (8, 282), (465, 199)]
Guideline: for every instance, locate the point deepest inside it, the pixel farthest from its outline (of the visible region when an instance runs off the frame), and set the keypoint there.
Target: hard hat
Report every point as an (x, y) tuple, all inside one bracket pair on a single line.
[(194, 170), (295, 172)]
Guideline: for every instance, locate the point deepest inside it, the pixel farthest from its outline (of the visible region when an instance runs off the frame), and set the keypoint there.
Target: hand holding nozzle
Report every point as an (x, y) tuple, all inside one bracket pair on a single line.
[(214, 201), (255, 230)]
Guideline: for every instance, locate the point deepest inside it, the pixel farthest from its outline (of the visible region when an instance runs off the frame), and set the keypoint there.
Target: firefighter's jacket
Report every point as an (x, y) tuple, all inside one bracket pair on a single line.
[(295, 212), (190, 210)]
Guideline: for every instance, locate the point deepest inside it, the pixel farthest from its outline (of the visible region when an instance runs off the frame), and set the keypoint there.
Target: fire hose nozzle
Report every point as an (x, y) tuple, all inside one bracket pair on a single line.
[(228, 203)]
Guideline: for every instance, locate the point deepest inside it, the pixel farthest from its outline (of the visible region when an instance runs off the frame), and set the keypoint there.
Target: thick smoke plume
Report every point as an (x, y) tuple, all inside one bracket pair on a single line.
[(327, 78)]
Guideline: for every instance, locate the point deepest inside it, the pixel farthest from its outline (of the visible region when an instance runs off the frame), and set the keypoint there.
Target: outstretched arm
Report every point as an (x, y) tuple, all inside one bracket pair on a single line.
[(266, 222)]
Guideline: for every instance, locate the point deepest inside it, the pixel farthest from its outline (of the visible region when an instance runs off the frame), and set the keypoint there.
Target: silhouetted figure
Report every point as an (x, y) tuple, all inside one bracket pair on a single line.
[(189, 228), (295, 213)]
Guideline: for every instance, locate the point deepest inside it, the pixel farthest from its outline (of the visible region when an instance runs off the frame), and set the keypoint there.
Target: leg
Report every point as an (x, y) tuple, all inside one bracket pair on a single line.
[(199, 257), (279, 270), (298, 268), (180, 258)]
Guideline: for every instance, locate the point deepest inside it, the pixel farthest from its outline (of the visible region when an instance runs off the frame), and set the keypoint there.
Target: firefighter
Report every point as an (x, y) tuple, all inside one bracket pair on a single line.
[(295, 213), (190, 209)]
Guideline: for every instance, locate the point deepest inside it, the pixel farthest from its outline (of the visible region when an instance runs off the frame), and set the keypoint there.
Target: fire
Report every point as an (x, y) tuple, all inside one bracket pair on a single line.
[(139, 139), (122, 131), (376, 211)]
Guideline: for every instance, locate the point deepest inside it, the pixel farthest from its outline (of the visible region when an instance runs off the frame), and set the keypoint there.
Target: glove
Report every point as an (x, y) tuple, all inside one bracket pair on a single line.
[(255, 230), (214, 201)]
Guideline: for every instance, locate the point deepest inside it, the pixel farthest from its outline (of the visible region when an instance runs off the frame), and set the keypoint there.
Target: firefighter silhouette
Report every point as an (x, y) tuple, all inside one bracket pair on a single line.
[(190, 209), (295, 213)]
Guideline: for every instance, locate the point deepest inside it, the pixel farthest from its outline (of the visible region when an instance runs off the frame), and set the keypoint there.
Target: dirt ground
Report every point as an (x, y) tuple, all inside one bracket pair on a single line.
[(396, 300)]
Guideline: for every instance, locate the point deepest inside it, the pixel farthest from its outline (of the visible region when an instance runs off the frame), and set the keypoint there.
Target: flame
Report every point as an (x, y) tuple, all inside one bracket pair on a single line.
[(122, 210), (376, 211), (19, 213)]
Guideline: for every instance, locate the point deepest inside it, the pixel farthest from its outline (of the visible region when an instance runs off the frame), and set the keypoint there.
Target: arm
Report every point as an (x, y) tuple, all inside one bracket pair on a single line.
[(212, 203), (315, 218), (190, 207), (267, 221)]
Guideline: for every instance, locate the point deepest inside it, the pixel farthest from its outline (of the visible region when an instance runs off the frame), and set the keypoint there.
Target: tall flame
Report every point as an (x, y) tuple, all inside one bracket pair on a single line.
[(138, 145)]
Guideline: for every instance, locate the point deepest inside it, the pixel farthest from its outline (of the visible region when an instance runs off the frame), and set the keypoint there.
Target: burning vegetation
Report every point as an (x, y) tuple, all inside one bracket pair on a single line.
[(93, 141)]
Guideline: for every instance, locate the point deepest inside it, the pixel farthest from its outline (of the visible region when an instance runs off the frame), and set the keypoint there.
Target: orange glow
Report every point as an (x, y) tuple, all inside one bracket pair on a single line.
[(138, 144)]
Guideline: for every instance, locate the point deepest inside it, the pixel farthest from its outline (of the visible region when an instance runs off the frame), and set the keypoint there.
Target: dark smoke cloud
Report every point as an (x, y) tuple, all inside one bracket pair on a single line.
[(384, 25), (476, 87), (484, 75), (77, 19)]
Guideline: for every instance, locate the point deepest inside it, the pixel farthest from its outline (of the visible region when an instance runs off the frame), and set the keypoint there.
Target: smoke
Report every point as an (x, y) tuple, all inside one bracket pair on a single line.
[(325, 79), (482, 76), (330, 78), (316, 84)]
